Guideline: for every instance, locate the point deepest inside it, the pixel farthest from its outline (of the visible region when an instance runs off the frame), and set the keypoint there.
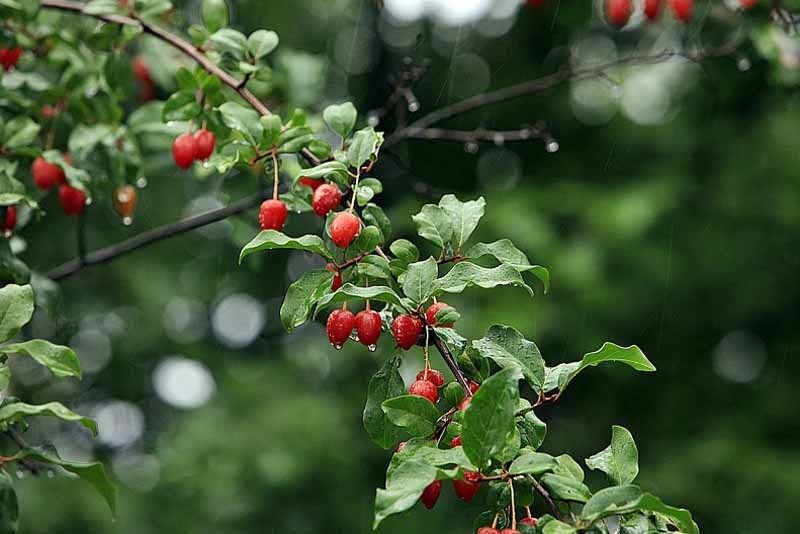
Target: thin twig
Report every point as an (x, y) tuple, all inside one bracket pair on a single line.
[(447, 356)]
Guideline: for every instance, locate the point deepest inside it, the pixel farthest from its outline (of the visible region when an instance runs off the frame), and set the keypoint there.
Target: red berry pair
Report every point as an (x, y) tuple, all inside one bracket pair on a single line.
[(9, 57), (367, 324), (189, 147), (490, 530), (9, 221), (326, 197), (618, 12)]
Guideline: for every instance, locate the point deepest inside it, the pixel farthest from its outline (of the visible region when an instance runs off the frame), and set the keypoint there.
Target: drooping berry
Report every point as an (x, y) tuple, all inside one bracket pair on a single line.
[(488, 530), (9, 221), (344, 229), (433, 376), (652, 9), (46, 175), (336, 283), (455, 442), (272, 215), (340, 326), (368, 327), (9, 57), (530, 521), (467, 488), (618, 12), (431, 494), (433, 309), (406, 330), (464, 404), (423, 388), (73, 200), (313, 183), (204, 142), (748, 4), (473, 387), (326, 197), (184, 150), (682, 9), (125, 202)]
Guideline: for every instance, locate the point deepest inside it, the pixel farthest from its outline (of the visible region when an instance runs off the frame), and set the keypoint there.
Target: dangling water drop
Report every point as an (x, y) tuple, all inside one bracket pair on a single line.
[(413, 106), (337, 346), (127, 221), (498, 139), (20, 474), (471, 147), (50, 473), (353, 336), (743, 64), (552, 146), (373, 120), (372, 348), (141, 182)]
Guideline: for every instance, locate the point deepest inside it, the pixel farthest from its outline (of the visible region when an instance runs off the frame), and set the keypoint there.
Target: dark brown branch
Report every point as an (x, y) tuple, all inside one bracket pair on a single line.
[(546, 496), (447, 356), (15, 436), (464, 136), (109, 253)]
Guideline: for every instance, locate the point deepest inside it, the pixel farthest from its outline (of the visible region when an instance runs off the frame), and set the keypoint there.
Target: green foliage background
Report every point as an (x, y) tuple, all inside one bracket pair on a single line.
[(668, 236)]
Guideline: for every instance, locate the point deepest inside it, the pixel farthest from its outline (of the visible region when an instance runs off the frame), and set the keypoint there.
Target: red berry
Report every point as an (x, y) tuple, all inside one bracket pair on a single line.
[(9, 222), (339, 327), (433, 376), (272, 215), (473, 387), (326, 197), (336, 283), (48, 111), (467, 488), (46, 175), (368, 326), (406, 330), (652, 9), (141, 70), (488, 530), (531, 521), (433, 309), (455, 442), (535, 3), (313, 183), (464, 404), (344, 229), (682, 9), (423, 388), (73, 200), (125, 201), (618, 12), (184, 150), (748, 4), (510, 531), (431, 494), (204, 141), (9, 57)]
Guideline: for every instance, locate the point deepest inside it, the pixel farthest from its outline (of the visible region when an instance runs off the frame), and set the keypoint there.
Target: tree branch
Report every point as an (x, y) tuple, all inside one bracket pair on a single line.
[(447, 356), (109, 253)]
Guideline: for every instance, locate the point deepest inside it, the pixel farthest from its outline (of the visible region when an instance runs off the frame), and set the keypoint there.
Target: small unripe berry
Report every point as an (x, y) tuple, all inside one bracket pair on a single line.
[(530, 521), (652, 9), (433, 309), (433, 376), (46, 175), (455, 442), (9, 222), (272, 215), (618, 12), (464, 404), (73, 200), (431, 494), (336, 283), (204, 142), (184, 150), (488, 530), (368, 327), (344, 229), (326, 197), (406, 330), (313, 183), (682, 9), (340, 326), (423, 388), (467, 488), (125, 201)]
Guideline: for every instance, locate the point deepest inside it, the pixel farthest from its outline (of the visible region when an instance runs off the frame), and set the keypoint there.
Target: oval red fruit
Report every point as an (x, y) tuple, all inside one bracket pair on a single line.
[(339, 327), (433, 376), (204, 142), (73, 200), (467, 488), (682, 9), (530, 521), (326, 197), (431, 494), (10, 219), (433, 309), (618, 12), (473, 386), (423, 388), (46, 175), (313, 183), (488, 530), (272, 215), (336, 283), (184, 150), (406, 330), (9, 57), (368, 326), (344, 229), (652, 9), (455, 442), (125, 201)]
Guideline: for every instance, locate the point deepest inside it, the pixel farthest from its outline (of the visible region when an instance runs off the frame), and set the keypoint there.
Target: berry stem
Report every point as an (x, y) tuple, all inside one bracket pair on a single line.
[(513, 507), (528, 511), (447, 356), (425, 351), (494, 522), (355, 191), (275, 175)]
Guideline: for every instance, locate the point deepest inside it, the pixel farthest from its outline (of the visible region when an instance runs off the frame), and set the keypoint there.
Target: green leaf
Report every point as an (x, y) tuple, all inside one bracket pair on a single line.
[(506, 253), (568, 467), (434, 225), (331, 170), (566, 488), (418, 280), (62, 361), (385, 384), (508, 348), (368, 239), (16, 309), (464, 217), (242, 119), (404, 486), (272, 130), (373, 214), (489, 421), (532, 429), (364, 147), (262, 42), (341, 118), (680, 517), (374, 267), (93, 473), (611, 501), (19, 132), (465, 274), (302, 295), (350, 292), (214, 14), (272, 239), (533, 463), (426, 452), (9, 510), (14, 412), (560, 376), (102, 7), (154, 8), (404, 250), (231, 41), (620, 460), (413, 413), (557, 527), (180, 106), (5, 377)]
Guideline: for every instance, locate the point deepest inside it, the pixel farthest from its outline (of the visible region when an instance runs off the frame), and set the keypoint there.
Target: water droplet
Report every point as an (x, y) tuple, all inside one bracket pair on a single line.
[(337, 346), (206, 165), (141, 182), (743, 64), (170, 123), (552, 146), (89, 201), (353, 336), (498, 139), (20, 474), (298, 212), (372, 348), (471, 147), (50, 473), (372, 119), (7, 233), (127, 221), (413, 106)]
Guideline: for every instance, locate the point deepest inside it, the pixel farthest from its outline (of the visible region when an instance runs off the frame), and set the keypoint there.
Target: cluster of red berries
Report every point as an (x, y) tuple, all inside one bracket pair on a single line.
[(9, 57), (532, 521), (367, 324), (48, 175), (189, 147), (618, 12)]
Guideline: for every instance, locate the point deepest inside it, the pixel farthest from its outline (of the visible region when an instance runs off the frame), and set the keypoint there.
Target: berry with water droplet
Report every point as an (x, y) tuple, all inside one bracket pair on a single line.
[(455, 442), (184, 150), (423, 388), (125, 201), (73, 200), (682, 9), (9, 221), (433, 309), (204, 142), (368, 326), (339, 326), (336, 283), (9, 57), (467, 488), (406, 330), (433, 376), (431, 494), (46, 175), (652, 9), (313, 183), (618, 12), (326, 197), (272, 214), (344, 229), (530, 521)]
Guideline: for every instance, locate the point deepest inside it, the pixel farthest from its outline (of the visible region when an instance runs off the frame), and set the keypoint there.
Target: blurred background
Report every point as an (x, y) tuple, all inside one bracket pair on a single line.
[(666, 207)]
